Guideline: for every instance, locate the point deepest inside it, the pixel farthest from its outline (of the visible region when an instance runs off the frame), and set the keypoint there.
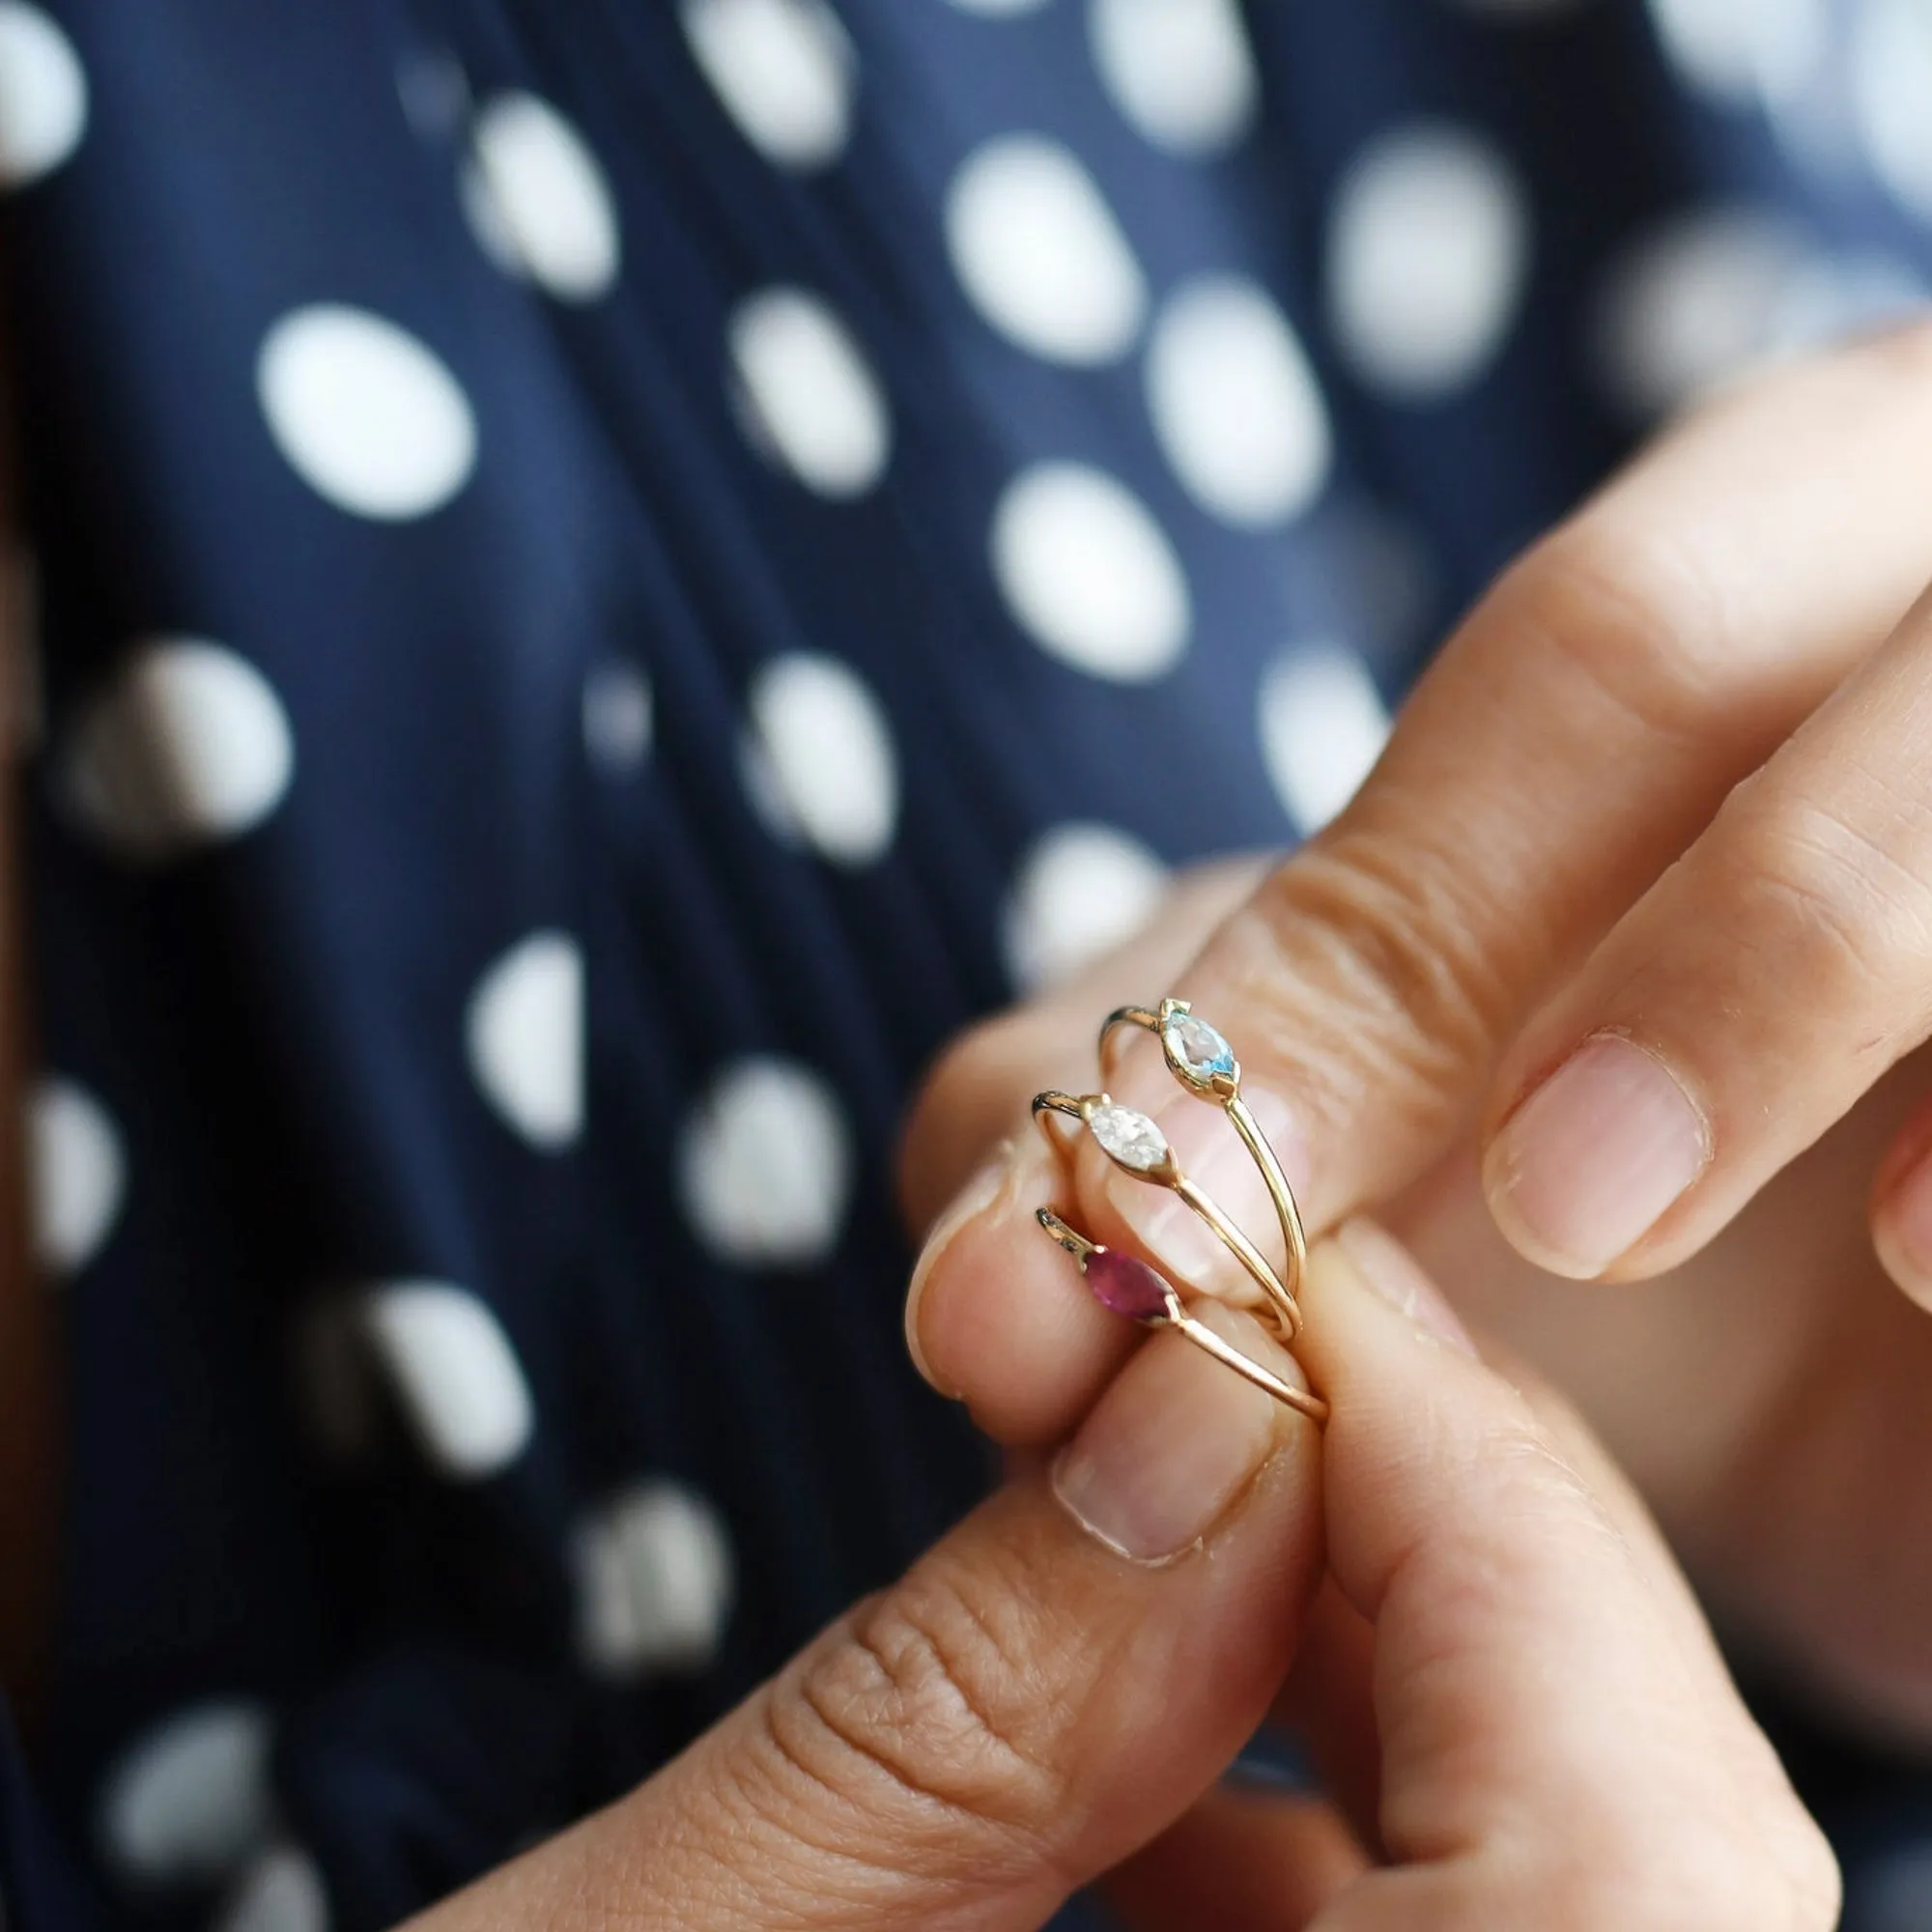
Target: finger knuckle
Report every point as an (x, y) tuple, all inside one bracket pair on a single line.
[(1381, 933), (923, 1716), (1628, 610), (1824, 903)]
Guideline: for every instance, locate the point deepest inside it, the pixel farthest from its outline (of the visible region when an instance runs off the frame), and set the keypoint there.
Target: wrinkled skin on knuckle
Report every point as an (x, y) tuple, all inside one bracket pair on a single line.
[(1360, 965), (1828, 917), (1629, 612), (935, 1721)]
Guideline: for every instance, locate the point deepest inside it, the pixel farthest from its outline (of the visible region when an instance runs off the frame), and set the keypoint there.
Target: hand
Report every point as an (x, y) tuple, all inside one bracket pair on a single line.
[(1633, 913), (1047, 1696)]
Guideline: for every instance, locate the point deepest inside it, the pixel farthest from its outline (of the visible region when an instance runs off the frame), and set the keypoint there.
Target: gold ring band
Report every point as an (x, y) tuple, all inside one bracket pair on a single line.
[(1200, 1060), (1199, 1057), (1141, 1293), (1136, 1145)]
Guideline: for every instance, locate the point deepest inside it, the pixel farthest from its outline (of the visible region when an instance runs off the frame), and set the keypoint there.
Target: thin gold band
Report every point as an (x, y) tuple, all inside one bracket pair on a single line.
[(1223, 1085), (1200, 1060), (1284, 1312), (1173, 1315)]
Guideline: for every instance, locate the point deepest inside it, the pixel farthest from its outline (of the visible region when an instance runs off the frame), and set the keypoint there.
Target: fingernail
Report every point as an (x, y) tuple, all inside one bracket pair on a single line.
[(1587, 1165), (1211, 1154), (1173, 1443), (1387, 1268), (974, 1198), (1902, 1233)]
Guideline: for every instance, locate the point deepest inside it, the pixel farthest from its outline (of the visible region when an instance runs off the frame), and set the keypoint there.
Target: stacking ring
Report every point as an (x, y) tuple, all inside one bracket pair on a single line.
[(1201, 1060), (1131, 1288)]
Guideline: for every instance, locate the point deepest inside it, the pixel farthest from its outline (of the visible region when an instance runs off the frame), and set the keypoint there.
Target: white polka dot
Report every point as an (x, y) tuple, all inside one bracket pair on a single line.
[(1180, 71), (1088, 573), (1081, 890), (190, 1800), (280, 1892), (1322, 727), (1039, 253), (654, 1581), (1694, 304), (42, 94), (784, 70), (1743, 53), (820, 760), (549, 210), (765, 1166), (76, 1175), (364, 414), (807, 393), (187, 743), (525, 1037), (1428, 256), (619, 718), (1891, 94), (1236, 404), (455, 1375)]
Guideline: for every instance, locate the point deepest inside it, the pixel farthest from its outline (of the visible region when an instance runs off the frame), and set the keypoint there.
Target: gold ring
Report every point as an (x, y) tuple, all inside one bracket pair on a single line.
[(1141, 1293), (1201, 1058)]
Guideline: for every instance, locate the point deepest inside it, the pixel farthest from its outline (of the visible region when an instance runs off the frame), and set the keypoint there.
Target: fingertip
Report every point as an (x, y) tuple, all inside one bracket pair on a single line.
[(1176, 1442), (997, 1317), (1372, 1308), (1388, 1268), (976, 1198)]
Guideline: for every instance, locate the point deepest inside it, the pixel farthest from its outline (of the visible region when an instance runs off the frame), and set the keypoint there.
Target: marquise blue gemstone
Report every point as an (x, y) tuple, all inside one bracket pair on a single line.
[(1198, 1048)]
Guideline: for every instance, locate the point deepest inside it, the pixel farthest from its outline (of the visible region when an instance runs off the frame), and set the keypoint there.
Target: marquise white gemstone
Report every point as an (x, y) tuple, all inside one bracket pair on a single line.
[(1200, 1049), (1130, 1138)]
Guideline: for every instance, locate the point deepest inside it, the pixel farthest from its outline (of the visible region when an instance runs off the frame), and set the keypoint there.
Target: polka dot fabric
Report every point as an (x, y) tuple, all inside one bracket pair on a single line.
[(562, 534)]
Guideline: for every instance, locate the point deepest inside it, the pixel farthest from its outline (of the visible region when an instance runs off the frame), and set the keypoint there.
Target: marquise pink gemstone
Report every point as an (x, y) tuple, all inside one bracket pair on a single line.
[(1127, 1287)]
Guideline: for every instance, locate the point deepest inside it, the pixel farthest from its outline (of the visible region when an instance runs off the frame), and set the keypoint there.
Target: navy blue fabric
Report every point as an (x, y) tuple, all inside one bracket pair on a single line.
[(476, 1031)]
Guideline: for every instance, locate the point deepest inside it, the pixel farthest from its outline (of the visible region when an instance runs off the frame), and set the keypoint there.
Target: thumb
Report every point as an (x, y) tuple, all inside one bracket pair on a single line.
[(1047, 1689), (1561, 1744)]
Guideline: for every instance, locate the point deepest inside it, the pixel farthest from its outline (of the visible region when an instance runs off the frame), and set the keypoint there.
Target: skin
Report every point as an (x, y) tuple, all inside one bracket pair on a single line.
[(1666, 784)]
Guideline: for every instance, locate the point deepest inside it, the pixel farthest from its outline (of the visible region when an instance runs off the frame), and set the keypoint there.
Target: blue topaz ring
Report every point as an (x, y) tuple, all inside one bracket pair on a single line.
[(1200, 1058)]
